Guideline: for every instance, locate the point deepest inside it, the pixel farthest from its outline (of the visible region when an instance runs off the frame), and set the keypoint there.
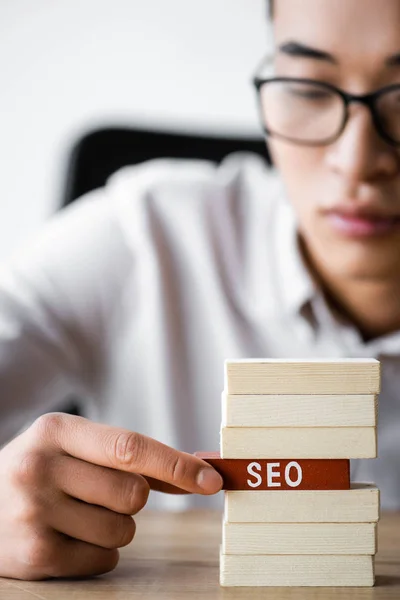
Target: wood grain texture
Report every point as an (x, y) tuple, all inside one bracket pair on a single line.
[(360, 504), (296, 571), (262, 474), (299, 538), (175, 556), (302, 442), (351, 410), (289, 376)]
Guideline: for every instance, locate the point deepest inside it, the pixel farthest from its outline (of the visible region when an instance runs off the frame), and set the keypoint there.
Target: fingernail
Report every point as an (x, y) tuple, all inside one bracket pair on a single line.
[(209, 480)]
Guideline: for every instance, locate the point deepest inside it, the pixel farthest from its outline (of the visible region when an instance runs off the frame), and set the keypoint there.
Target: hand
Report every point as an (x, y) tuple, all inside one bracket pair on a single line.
[(68, 490)]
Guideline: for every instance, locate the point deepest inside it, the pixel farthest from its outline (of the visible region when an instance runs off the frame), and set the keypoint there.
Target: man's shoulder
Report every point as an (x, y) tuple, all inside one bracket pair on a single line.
[(184, 180), (177, 191)]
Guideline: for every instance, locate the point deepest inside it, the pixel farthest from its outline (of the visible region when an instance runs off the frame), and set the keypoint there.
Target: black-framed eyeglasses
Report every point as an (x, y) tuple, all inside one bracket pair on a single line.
[(313, 113)]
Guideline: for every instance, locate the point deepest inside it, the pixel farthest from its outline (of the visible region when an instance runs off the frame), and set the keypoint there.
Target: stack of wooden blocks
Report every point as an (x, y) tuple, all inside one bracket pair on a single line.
[(289, 428)]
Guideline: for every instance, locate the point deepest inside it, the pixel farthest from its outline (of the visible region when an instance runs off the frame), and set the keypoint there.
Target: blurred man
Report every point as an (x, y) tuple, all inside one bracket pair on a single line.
[(134, 296)]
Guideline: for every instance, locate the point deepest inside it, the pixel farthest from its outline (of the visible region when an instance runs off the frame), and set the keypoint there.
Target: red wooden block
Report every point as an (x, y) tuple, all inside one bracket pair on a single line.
[(276, 474)]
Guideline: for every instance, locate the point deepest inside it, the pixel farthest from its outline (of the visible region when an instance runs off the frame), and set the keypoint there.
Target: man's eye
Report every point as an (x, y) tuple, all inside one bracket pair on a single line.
[(391, 102), (315, 95)]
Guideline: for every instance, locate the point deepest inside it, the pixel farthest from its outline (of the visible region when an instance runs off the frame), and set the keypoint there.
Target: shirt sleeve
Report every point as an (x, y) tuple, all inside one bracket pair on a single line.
[(57, 298)]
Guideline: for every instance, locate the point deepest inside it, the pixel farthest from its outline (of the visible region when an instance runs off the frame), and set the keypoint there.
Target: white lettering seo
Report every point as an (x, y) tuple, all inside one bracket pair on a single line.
[(250, 470), (271, 474), (290, 482), (293, 474)]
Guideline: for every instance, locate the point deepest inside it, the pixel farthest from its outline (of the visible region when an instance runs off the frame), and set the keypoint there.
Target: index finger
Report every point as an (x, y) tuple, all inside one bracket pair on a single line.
[(126, 450)]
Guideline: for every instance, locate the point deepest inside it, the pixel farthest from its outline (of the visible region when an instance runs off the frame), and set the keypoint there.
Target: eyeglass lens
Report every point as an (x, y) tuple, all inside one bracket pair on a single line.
[(388, 112), (313, 113)]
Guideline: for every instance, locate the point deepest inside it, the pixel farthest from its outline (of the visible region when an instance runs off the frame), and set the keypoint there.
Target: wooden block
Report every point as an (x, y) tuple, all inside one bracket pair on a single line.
[(291, 570), (354, 410), (289, 376), (299, 538), (262, 474), (301, 442), (360, 504)]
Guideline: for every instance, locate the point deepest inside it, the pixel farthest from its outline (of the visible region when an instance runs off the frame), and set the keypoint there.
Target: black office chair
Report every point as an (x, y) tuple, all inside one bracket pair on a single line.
[(100, 153)]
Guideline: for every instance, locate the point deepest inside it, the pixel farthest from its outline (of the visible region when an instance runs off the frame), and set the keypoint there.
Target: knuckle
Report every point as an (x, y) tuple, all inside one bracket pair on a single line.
[(111, 561), (38, 554), (129, 531), (47, 425), (122, 531), (141, 496), (178, 469), (136, 495), (128, 447), (124, 499), (29, 513), (29, 469)]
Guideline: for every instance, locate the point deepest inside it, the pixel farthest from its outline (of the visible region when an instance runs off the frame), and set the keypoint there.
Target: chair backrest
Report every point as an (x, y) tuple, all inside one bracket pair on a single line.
[(100, 153)]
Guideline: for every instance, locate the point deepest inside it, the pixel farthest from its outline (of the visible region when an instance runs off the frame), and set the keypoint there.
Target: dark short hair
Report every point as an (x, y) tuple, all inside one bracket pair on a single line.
[(270, 6)]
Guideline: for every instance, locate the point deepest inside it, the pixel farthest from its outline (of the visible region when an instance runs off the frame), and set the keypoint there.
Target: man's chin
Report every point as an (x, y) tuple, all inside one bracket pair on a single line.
[(366, 270), (361, 261)]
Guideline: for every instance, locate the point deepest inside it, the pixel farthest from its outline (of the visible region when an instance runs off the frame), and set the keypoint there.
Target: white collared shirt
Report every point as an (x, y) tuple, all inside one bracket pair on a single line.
[(133, 297)]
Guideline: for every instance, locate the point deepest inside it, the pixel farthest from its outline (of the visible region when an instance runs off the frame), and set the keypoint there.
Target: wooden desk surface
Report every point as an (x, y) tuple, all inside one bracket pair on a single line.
[(175, 556)]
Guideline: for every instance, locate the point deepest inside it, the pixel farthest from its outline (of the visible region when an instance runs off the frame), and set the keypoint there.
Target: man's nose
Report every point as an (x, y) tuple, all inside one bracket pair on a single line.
[(360, 153)]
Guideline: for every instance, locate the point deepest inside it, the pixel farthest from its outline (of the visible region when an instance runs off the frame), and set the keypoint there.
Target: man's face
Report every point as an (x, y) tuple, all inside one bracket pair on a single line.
[(346, 195)]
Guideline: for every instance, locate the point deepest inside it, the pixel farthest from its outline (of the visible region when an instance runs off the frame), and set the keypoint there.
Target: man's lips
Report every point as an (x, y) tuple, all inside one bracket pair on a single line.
[(362, 223)]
